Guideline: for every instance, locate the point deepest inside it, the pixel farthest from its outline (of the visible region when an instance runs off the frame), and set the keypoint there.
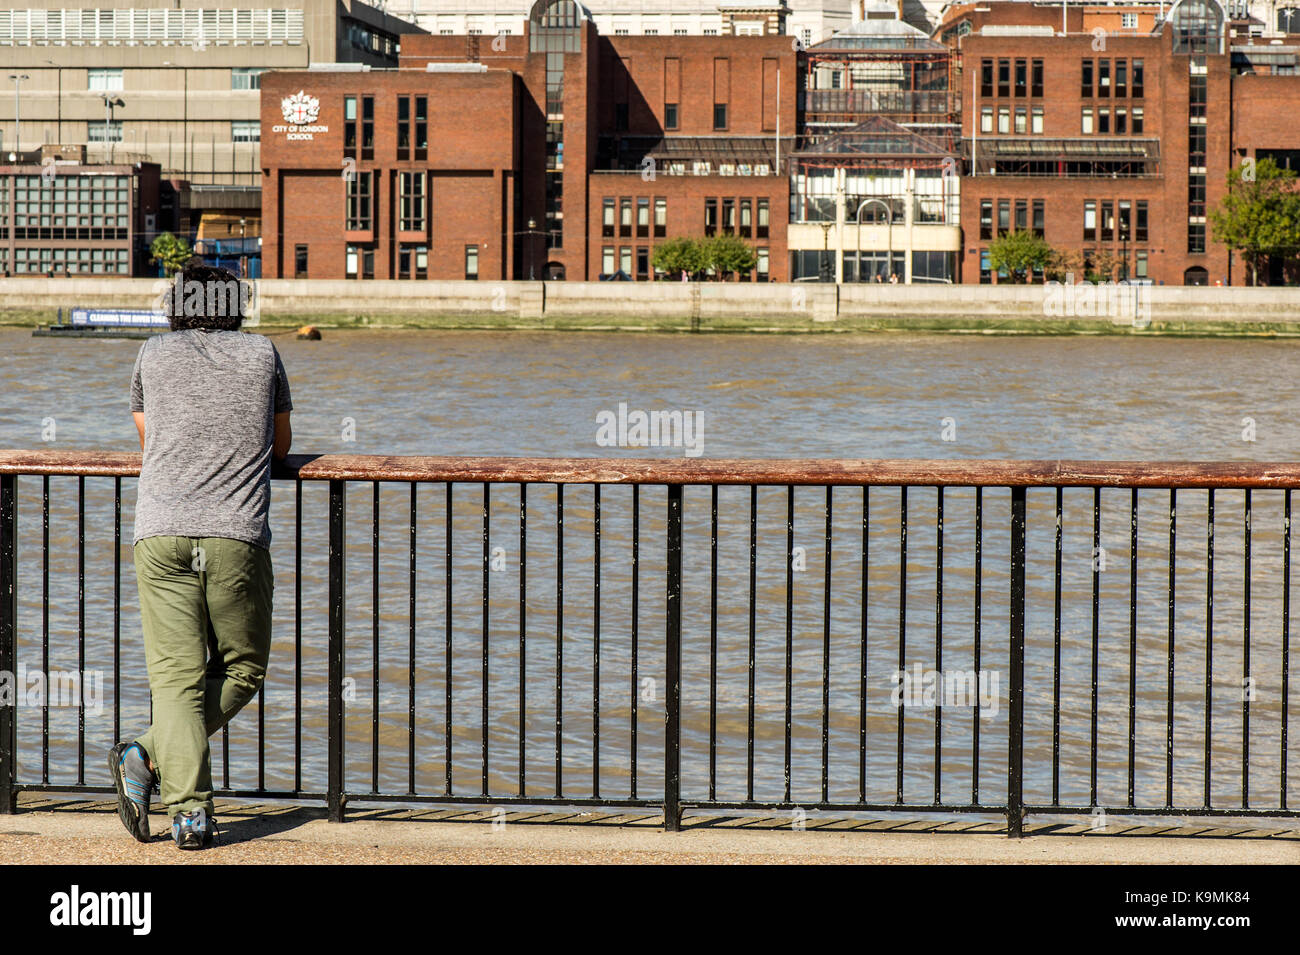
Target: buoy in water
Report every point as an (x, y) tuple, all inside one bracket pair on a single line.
[(309, 333)]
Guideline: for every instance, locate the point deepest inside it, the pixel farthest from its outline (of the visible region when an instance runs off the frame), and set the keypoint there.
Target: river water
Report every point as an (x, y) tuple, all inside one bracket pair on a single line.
[(882, 396)]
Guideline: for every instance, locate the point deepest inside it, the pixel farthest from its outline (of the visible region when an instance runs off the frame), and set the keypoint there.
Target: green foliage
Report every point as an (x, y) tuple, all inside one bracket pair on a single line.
[(679, 255), (170, 252), (1260, 215), (725, 254), (1019, 254)]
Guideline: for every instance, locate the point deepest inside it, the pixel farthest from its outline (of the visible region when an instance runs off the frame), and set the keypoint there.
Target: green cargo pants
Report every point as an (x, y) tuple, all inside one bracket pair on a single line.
[(205, 606)]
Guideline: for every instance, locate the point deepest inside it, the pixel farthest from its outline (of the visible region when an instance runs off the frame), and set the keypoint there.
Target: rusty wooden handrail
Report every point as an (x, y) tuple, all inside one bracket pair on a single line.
[(743, 471)]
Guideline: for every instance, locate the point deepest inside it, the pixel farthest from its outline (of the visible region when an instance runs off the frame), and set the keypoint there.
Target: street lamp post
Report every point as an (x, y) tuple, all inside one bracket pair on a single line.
[(823, 268), (243, 254), (889, 232), (1123, 235), (531, 231), (110, 101), (17, 79)]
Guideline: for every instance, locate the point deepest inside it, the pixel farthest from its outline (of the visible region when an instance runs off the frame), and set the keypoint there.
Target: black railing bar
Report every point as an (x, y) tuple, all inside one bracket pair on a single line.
[(81, 624), (410, 654), (374, 638), (1132, 645), (595, 644), (487, 567)]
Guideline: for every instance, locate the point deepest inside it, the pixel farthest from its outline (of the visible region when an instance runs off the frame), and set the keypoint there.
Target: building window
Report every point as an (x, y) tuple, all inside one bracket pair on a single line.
[(1022, 121), (471, 263), (642, 263), (661, 218), (1022, 78), (104, 132), (761, 231), (411, 192), (607, 219), (413, 262), (360, 262), (986, 218), (403, 127), (1036, 79), (1086, 124), (1128, 21), (1040, 218), (1121, 121), (1004, 217), (1138, 116), (1085, 86), (1036, 121), (1121, 78), (1004, 77), (350, 126), (246, 78), (986, 271), (728, 216), (746, 217), (670, 115), (607, 260), (1103, 77), (103, 79), (1137, 79), (1022, 215), (763, 265), (1140, 224), (358, 192), (1140, 266), (300, 261), (986, 78), (1196, 237), (1004, 119), (367, 127), (719, 115), (1103, 120), (986, 119), (642, 218), (710, 216), (1089, 220), (625, 218), (245, 130), (625, 260), (1107, 221)]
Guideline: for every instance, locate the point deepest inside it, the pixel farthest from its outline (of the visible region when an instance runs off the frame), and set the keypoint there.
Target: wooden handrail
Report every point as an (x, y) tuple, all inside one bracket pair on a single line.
[(967, 472)]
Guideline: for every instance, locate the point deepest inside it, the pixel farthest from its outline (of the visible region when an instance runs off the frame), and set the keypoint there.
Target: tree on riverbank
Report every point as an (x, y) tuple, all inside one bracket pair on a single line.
[(721, 254), (171, 252), (1260, 214), (1019, 254)]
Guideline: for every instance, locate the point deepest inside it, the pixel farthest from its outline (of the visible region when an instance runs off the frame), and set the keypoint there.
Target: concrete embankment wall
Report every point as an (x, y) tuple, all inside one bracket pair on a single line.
[(678, 306)]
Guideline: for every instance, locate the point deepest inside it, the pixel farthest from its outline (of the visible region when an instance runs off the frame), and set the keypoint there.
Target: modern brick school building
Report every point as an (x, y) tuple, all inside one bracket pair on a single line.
[(559, 154), (565, 154)]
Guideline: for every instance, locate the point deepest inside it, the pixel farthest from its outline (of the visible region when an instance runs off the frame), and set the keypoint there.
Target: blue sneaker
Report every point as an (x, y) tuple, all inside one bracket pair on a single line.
[(134, 781), (194, 829)]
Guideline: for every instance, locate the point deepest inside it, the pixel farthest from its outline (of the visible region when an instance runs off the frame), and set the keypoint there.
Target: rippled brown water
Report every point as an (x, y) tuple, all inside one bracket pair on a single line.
[(809, 396)]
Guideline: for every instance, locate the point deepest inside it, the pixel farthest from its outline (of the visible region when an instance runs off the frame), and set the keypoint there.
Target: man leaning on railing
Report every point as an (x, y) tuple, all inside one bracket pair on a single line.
[(212, 407)]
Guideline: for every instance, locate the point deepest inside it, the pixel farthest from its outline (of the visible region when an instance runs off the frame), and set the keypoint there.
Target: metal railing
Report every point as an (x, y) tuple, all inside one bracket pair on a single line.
[(693, 614)]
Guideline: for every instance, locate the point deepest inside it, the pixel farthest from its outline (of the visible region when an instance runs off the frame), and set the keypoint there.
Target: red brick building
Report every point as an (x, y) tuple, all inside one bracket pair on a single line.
[(1117, 135), (559, 153)]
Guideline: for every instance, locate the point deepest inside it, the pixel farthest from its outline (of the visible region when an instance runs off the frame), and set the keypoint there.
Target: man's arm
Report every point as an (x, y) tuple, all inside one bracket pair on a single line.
[(283, 435), (139, 425)]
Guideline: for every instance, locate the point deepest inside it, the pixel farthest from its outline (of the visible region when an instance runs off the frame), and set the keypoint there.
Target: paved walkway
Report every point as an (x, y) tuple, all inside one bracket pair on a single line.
[(74, 831)]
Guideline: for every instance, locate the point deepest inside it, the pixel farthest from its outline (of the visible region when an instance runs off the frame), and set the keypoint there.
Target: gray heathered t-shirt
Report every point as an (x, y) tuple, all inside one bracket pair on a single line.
[(209, 400)]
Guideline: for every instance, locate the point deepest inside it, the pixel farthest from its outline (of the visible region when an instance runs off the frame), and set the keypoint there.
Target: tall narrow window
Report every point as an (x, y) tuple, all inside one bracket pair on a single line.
[(1036, 78), (661, 218), (607, 219), (1085, 87), (986, 78), (421, 137), (986, 119), (1036, 121), (1022, 120), (625, 218), (1086, 125), (728, 216), (1121, 78), (359, 208), (1004, 216), (1138, 118), (300, 261), (607, 260), (471, 262), (1089, 220), (762, 214), (986, 218), (719, 115), (762, 265), (710, 216), (643, 218), (1022, 215), (1125, 220), (1137, 79), (1140, 223), (403, 127), (1040, 218), (350, 126), (1103, 77), (1107, 221), (1022, 78), (367, 127), (746, 217), (1004, 77), (410, 187), (1004, 119), (670, 115)]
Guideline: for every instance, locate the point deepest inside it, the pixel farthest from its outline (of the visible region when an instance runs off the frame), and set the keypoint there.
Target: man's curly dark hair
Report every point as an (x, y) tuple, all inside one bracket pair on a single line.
[(203, 296)]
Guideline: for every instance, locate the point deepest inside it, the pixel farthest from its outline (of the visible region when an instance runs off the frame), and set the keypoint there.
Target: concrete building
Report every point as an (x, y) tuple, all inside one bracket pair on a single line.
[(574, 154), (150, 81), (61, 216)]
